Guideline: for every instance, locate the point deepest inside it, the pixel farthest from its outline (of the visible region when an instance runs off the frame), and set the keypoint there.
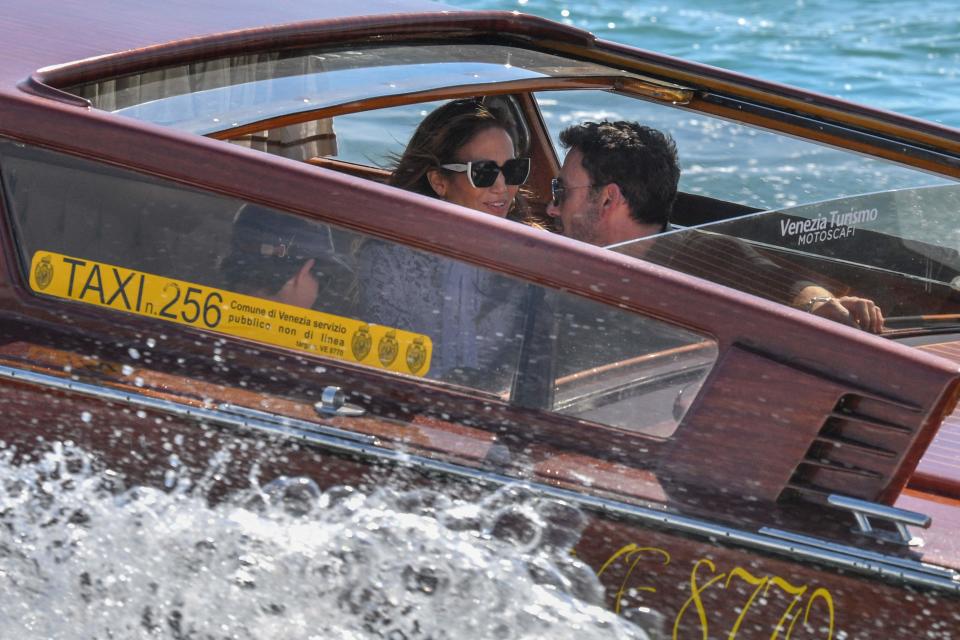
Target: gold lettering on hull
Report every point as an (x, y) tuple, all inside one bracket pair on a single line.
[(704, 576)]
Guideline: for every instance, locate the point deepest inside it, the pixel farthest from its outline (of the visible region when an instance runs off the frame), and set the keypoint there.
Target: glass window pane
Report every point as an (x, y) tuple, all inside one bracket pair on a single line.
[(376, 138), (626, 370), (97, 235), (734, 162), (900, 249)]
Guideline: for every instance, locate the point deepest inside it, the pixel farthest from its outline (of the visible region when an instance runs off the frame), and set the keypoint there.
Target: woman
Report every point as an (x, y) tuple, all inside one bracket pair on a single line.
[(465, 153)]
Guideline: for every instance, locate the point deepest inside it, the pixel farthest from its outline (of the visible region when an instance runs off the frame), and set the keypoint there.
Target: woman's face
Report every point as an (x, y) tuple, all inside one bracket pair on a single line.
[(490, 144)]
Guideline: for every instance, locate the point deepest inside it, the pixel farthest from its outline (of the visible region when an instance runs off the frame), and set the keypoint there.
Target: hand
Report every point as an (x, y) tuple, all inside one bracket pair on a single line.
[(851, 310)]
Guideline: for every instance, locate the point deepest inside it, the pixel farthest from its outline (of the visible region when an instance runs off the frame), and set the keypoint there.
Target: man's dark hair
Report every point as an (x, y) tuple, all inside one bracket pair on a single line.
[(641, 160)]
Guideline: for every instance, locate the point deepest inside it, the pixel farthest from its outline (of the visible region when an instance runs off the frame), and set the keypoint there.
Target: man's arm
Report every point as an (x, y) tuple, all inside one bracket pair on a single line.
[(733, 262), (851, 310)]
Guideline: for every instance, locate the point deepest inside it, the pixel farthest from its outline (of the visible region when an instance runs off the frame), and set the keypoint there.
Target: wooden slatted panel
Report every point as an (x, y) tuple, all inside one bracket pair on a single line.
[(939, 469)]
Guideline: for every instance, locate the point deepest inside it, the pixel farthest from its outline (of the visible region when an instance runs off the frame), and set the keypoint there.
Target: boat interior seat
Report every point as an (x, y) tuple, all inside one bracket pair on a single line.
[(693, 209), (300, 141), (351, 168)]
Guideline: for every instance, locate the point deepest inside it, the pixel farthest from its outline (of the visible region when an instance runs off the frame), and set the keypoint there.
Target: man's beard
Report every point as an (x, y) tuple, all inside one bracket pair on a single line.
[(585, 226)]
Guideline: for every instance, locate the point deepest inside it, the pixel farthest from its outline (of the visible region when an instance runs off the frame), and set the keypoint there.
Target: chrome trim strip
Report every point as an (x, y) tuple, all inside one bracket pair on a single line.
[(900, 518), (224, 414), (285, 421), (877, 510), (847, 558), (906, 563)]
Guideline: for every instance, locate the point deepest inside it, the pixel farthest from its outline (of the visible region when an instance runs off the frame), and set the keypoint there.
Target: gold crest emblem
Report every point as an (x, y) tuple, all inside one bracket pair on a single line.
[(388, 348), (361, 342), (43, 273), (416, 355)]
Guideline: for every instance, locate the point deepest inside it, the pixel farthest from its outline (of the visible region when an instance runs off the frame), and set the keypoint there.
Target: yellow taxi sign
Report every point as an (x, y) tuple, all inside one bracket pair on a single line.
[(234, 314)]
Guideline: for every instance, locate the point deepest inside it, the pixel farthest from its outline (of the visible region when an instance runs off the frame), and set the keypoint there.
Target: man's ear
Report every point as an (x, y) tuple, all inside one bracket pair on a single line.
[(610, 196), (437, 182)]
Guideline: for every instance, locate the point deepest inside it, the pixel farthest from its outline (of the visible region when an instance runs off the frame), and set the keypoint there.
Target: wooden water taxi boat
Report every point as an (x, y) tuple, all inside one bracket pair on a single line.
[(745, 469)]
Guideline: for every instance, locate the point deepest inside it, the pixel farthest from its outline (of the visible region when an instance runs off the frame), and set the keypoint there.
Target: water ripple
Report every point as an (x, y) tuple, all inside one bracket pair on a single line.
[(905, 57)]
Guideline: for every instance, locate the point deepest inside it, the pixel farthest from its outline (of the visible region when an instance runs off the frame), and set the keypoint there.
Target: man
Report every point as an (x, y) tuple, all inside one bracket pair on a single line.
[(281, 257), (619, 183)]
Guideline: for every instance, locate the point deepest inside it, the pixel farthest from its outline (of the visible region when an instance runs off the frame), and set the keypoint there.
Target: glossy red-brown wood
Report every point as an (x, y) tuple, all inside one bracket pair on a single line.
[(543, 159), (365, 28), (939, 469), (770, 410), (672, 583), (684, 589), (52, 32), (941, 543)]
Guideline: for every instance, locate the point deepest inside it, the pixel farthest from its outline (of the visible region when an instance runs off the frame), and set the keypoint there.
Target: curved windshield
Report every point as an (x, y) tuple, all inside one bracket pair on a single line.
[(899, 248)]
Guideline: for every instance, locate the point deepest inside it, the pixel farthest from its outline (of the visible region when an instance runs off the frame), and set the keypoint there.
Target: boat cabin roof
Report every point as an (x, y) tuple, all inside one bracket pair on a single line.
[(47, 33)]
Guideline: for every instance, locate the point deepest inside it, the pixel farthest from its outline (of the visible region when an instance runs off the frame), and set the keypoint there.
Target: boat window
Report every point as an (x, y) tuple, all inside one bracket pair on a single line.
[(373, 138), (367, 138), (215, 95), (101, 237), (813, 215), (737, 163)]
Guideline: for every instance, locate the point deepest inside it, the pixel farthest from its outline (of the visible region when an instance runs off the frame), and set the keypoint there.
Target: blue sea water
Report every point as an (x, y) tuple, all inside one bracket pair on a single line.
[(900, 56)]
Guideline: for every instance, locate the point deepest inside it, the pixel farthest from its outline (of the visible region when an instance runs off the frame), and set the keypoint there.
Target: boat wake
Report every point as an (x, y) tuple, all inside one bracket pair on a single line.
[(81, 556)]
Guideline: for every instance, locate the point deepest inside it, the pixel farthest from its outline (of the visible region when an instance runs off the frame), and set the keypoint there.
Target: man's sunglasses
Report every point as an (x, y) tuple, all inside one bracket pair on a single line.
[(558, 191), (483, 173)]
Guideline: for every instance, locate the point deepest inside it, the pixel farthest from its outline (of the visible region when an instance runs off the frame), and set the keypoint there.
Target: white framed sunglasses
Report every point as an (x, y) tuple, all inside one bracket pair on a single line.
[(483, 173)]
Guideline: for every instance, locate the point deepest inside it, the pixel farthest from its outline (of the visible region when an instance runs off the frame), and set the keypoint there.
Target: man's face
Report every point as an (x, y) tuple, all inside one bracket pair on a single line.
[(578, 209)]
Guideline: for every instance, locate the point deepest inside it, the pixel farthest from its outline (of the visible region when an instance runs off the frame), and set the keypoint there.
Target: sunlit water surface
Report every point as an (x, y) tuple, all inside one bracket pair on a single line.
[(83, 557), (901, 56)]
